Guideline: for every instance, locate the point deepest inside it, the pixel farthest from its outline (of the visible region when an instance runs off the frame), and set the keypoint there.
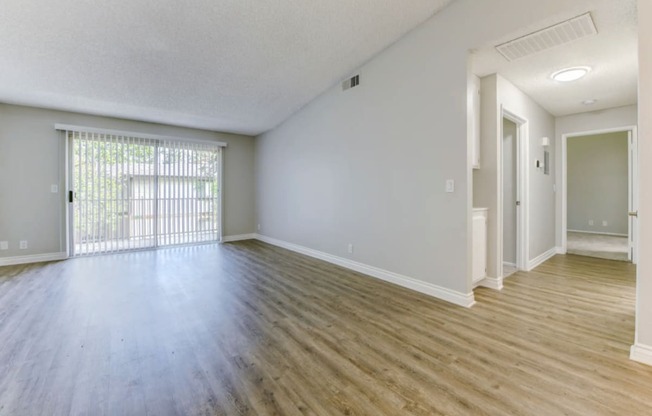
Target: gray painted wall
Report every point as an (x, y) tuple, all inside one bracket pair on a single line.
[(368, 166), (597, 178), (541, 195), (644, 269), (31, 160), (486, 180), (509, 191), (499, 93)]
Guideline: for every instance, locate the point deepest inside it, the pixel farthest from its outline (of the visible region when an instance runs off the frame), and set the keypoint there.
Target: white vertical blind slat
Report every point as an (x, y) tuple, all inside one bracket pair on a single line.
[(129, 195)]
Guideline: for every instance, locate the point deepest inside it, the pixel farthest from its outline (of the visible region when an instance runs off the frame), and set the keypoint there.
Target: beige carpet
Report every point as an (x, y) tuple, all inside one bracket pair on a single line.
[(597, 245)]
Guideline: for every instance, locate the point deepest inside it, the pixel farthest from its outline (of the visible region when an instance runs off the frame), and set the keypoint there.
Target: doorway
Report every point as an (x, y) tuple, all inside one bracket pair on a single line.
[(600, 194), (510, 196), (513, 198)]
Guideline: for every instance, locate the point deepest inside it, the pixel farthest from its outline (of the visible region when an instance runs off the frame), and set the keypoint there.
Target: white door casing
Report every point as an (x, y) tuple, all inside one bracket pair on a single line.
[(633, 185)]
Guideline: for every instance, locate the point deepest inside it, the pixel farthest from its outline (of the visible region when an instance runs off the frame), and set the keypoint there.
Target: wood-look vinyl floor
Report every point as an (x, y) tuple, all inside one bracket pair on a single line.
[(250, 329)]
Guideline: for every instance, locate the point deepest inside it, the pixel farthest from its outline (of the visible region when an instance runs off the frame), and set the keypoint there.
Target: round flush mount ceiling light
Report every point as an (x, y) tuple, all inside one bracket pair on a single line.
[(590, 102), (570, 74)]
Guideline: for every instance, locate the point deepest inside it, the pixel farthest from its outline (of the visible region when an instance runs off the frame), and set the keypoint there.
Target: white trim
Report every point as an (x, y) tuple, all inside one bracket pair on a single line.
[(81, 129), (461, 299), (68, 161), (641, 353), (523, 189), (597, 233), (560, 250), (600, 131), (634, 189), (495, 283), (220, 202), (33, 258), (535, 262), (240, 237), (508, 264)]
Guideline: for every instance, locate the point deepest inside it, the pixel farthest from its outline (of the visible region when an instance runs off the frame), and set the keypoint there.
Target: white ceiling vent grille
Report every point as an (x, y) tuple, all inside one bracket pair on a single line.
[(576, 28)]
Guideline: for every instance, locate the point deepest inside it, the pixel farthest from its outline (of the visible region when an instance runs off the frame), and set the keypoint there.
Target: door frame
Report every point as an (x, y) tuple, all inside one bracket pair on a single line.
[(68, 190), (522, 191), (633, 193)]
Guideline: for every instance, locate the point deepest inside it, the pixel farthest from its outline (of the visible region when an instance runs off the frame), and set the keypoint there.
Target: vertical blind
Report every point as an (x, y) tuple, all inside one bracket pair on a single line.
[(131, 192)]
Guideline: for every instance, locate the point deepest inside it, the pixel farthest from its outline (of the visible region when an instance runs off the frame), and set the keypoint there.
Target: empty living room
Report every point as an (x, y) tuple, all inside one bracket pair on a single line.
[(351, 207)]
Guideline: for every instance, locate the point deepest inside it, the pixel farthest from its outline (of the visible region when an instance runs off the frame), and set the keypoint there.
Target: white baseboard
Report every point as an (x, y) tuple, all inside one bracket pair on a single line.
[(598, 233), (560, 250), (641, 353), (508, 264), (241, 237), (541, 258), (33, 258), (495, 283), (462, 299)]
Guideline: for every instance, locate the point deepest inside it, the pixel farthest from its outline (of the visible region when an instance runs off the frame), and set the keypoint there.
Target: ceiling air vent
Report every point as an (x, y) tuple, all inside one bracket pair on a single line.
[(351, 83), (565, 32)]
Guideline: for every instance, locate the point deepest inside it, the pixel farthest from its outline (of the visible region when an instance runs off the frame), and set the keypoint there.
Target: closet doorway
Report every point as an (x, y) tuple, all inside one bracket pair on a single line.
[(513, 198)]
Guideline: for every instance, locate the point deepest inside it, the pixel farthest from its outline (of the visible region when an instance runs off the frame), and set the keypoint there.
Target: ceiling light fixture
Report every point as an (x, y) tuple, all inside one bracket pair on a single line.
[(590, 102), (570, 74)]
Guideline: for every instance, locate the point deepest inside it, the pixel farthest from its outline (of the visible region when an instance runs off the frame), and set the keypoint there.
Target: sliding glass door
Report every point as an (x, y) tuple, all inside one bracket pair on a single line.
[(133, 193)]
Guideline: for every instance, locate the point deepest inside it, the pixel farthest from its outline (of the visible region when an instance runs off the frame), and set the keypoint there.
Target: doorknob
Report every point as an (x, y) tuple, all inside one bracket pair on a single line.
[(518, 203), (633, 214)]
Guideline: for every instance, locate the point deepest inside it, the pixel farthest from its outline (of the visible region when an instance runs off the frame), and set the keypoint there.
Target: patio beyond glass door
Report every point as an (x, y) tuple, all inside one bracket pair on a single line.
[(134, 193)]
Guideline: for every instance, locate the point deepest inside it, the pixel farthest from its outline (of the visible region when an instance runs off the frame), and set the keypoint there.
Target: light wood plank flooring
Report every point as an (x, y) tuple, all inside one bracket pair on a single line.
[(247, 328)]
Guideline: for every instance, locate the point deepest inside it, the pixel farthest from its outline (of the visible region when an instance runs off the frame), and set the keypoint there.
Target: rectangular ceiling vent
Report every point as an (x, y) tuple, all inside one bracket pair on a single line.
[(565, 32), (351, 83)]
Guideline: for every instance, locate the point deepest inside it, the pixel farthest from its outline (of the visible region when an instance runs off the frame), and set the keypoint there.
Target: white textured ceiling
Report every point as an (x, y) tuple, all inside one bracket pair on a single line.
[(612, 54), (229, 65)]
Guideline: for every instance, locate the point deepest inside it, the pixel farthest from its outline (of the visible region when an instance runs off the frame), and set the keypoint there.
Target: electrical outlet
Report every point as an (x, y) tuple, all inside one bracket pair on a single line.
[(4, 245), (350, 248), (605, 224), (22, 245), (54, 188), (258, 227), (590, 222)]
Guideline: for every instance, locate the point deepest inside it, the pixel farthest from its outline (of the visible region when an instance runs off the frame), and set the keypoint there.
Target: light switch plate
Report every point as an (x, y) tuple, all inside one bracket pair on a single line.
[(4, 245), (54, 188), (450, 185)]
